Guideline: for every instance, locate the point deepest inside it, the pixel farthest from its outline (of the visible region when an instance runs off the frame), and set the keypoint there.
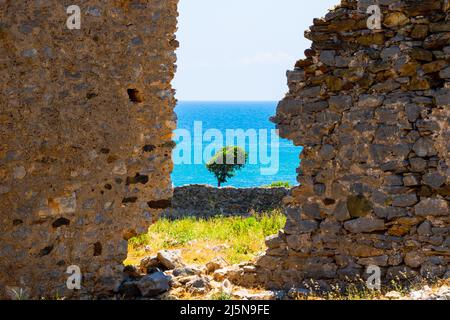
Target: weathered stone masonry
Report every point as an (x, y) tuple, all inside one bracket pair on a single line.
[(86, 118), (372, 110), (205, 201)]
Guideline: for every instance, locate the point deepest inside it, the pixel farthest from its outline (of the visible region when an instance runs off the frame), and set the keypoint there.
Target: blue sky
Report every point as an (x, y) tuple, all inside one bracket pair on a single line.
[(240, 49)]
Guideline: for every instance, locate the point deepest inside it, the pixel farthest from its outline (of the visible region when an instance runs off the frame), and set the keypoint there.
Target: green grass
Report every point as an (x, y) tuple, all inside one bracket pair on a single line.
[(221, 296), (278, 184), (236, 239)]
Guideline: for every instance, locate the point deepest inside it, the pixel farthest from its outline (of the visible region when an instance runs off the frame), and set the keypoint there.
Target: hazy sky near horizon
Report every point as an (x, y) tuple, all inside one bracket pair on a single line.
[(241, 49)]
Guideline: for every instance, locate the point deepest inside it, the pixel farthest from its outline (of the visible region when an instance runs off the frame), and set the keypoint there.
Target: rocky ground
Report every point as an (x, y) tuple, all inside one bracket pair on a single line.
[(166, 276), (440, 292)]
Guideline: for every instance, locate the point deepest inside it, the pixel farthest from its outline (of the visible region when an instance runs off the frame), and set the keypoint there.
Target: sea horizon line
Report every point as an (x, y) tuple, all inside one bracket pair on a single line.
[(225, 101)]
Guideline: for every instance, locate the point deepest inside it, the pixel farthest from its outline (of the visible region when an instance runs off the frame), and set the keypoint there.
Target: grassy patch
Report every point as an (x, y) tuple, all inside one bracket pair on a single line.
[(278, 184), (236, 239), (221, 296)]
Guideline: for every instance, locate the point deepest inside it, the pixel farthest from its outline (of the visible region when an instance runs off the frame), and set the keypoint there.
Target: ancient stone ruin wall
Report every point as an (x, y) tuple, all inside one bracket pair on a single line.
[(204, 201), (372, 109), (86, 118)]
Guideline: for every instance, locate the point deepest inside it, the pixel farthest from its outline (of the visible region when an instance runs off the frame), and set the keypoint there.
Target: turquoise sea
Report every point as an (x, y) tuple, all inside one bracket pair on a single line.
[(231, 115)]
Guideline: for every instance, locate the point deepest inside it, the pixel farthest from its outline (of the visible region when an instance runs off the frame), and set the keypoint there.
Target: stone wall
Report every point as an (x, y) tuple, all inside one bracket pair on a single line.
[(372, 110), (205, 201), (86, 118)]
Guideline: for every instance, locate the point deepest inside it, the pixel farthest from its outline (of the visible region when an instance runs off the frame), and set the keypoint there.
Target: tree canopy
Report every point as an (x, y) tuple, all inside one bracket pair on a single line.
[(226, 162)]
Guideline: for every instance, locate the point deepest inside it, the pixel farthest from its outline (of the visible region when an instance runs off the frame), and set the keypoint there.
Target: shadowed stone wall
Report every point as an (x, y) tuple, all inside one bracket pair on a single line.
[(372, 110), (205, 201), (86, 118)]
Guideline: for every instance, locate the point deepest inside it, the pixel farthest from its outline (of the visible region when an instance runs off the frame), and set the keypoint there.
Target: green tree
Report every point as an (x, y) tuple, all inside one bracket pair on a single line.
[(226, 162)]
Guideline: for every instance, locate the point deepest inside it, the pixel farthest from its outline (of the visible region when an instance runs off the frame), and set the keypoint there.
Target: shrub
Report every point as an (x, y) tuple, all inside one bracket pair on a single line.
[(279, 184)]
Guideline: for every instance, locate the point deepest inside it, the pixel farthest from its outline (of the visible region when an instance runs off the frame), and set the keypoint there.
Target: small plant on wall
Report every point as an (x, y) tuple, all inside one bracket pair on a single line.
[(226, 162), (278, 184)]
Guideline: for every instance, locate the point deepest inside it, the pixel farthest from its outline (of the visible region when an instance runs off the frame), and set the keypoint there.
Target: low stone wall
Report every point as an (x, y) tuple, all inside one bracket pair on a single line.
[(206, 201)]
